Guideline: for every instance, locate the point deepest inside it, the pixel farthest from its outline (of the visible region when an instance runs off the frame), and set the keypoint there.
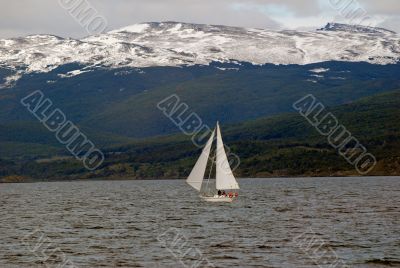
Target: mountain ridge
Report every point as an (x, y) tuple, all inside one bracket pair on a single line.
[(184, 44), (334, 26)]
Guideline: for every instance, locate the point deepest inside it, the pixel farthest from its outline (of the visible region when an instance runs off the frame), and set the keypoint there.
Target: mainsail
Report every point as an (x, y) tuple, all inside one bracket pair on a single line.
[(224, 178), (195, 178)]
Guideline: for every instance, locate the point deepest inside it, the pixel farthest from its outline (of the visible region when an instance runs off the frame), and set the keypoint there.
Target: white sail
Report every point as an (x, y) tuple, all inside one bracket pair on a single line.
[(224, 178), (195, 178)]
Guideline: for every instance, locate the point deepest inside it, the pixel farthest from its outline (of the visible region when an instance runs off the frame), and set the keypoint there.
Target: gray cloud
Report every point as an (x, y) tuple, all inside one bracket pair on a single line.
[(390, 7), (24, 17)]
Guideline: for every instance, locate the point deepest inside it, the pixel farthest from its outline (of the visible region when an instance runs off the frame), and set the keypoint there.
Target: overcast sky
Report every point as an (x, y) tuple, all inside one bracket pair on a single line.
[(24, 17)]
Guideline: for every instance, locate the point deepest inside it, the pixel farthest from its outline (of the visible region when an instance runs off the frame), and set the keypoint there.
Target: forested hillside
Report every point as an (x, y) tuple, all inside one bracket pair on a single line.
[(284, 145)]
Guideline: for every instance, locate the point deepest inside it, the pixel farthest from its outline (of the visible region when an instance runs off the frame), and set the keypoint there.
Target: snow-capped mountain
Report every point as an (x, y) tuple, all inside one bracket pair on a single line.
[(175, 44)]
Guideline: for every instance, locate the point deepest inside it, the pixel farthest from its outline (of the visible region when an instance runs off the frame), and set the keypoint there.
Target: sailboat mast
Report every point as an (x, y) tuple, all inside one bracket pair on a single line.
[(211, 168), (209, 175)]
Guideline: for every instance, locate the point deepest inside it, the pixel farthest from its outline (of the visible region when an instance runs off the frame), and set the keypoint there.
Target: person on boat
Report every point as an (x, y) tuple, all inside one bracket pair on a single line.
[(223, 193), (219, 192)]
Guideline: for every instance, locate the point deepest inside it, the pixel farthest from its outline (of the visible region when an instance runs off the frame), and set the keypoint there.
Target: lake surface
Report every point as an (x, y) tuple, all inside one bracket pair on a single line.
[(285, 222)]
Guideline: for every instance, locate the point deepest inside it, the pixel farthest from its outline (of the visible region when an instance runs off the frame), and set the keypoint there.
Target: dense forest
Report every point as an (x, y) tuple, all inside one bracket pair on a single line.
[(282, 145)]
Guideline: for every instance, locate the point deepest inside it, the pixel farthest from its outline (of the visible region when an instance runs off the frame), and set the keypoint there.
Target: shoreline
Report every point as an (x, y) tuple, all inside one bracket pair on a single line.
[(162, 179)]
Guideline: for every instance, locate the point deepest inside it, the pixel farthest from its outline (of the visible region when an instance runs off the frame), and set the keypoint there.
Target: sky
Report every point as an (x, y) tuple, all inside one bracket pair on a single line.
[(25, 17)]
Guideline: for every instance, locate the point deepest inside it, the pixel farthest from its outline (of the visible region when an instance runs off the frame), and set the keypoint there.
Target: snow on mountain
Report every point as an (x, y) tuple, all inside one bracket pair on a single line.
[(319, 70), (176, 44)]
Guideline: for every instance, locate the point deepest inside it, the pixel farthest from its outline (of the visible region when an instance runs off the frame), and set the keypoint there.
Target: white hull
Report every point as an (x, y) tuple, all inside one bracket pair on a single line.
[(217, 198)]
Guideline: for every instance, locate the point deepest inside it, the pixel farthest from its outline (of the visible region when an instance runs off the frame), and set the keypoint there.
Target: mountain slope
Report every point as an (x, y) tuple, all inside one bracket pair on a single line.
[(178, 44), (123, 102), (284, 145), (234, 96)]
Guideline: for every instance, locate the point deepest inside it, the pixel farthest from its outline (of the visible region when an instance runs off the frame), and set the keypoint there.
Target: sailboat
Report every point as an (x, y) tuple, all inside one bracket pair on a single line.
[(224, 179)]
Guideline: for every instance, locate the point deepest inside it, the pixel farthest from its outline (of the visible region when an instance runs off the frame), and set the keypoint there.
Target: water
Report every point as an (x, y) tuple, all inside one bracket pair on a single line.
[(296, 222)]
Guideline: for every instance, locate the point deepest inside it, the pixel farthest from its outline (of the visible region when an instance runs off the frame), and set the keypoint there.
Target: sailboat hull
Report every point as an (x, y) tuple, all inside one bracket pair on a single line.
[(217, 198)]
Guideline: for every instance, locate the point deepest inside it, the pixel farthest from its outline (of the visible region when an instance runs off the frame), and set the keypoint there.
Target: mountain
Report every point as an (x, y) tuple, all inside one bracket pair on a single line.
[(180, 44), (284, 145), (356, 29), (109, 84)]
